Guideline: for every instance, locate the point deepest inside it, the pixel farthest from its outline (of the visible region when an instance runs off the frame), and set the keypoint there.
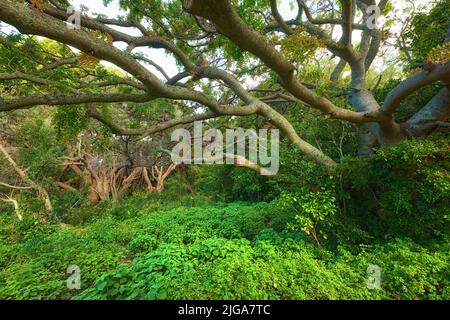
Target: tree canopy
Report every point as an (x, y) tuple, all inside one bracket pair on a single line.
[(235, 58)]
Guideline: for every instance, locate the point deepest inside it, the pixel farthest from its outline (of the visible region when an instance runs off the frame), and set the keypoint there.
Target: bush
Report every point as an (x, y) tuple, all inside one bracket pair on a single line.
[(236, 251), (402, 190), (34, 257), (279, 268)]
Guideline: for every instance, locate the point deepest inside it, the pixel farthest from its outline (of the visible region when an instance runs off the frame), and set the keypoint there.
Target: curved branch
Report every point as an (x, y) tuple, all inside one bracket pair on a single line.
[(430, 117), (231, 25), (56, 100), (14, 187), (119, 130), (279, 18), (338, 70), (416, 82), (348, 15), (23, 76)]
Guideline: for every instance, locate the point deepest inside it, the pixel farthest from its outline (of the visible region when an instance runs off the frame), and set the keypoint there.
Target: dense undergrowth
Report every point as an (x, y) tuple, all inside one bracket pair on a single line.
[(297, 245), (237, 251), (307, 234)]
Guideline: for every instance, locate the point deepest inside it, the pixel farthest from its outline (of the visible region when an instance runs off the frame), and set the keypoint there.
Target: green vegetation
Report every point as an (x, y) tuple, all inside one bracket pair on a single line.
[(86, 177), (236, 251), (167, 247)]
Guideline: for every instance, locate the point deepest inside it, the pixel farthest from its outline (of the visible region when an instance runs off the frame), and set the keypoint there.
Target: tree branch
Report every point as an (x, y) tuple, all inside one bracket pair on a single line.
[(119, 130), (71, 99), (414, 83)]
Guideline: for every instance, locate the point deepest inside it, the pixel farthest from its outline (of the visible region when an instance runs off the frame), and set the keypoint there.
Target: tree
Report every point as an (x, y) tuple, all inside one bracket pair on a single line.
[(216, 42)]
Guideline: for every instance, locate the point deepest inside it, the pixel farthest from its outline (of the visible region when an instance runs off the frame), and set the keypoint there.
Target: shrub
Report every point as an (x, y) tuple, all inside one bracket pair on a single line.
[(279, 268), (402, 190)]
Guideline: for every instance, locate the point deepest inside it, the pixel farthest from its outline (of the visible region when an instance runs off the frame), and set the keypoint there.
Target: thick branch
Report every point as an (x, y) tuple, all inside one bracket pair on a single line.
[(430, 117), (230, 24), (279, 18), (23, 76), (56, 100), (416, 82)]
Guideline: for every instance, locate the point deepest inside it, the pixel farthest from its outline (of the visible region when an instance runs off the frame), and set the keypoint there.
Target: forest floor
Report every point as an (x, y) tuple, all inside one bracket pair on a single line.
[(143, 249)]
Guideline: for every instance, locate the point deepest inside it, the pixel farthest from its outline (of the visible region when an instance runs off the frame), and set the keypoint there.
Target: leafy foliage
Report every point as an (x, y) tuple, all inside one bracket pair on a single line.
[(429, 30), (229, 252), (224, 232), (300, 45), (404, 189)]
